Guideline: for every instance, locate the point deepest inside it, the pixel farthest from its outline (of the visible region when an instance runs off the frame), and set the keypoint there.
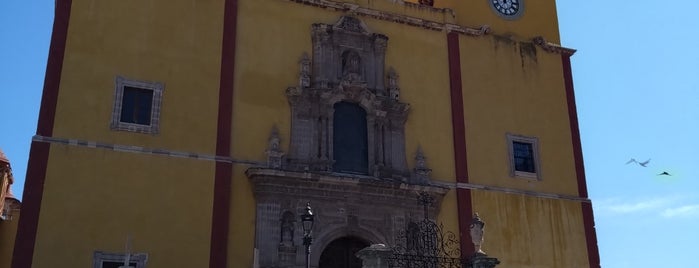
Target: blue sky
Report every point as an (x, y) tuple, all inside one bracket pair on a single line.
[(636, 77)]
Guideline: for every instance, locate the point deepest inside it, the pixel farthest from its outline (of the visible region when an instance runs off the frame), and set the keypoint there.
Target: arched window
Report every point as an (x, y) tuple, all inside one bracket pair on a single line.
[(350, 139)]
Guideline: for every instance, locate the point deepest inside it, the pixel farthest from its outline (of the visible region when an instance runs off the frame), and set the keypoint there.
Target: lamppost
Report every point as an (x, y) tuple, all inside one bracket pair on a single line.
[(307, 220)]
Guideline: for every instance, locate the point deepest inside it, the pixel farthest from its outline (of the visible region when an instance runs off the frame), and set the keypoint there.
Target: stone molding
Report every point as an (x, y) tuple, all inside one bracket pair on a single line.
[(433, 181), (551, 47), (397, 18), (472, 186), (482, 30), (142, 150)]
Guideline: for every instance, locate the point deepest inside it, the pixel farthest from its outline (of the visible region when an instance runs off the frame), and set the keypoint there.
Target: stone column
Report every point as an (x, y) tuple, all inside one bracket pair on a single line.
[(375, 256)]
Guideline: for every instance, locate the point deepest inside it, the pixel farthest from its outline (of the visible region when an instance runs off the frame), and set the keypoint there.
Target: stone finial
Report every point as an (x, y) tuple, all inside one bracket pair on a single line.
[(476, 232), (304, 71), (393, 89), (274, 152), (421, 173)]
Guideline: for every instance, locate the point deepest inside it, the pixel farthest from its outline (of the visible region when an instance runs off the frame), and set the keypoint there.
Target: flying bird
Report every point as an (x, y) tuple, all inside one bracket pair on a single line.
[(643, 164), (664, 174)]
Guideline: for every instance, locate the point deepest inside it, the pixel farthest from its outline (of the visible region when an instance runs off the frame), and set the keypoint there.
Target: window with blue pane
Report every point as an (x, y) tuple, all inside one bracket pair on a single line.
[(137, 106), (524, 156)]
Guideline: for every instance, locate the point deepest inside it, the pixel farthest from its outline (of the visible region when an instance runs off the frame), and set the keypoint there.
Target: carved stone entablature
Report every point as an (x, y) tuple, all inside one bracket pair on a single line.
[(347, 67), (368, 208)]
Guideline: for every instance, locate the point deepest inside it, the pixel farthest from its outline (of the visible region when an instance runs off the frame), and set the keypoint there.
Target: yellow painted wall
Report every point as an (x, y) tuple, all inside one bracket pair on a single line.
[(169, 200), (94, 198), (529, 232), (177, 43), (515, 88), (8, 231)]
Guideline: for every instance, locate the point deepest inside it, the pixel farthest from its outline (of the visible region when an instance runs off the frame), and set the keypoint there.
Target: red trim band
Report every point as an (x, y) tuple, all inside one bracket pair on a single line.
[(588, 216), (463, 196), (39, 152), (222, 182), (31, 205)]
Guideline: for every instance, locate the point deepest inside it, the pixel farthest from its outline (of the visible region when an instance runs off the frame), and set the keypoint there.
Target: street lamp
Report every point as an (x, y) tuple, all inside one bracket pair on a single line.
[(307, 220)]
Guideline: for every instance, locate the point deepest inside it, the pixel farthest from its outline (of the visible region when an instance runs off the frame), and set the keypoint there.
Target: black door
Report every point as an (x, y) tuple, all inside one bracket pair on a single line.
[(340, 253)]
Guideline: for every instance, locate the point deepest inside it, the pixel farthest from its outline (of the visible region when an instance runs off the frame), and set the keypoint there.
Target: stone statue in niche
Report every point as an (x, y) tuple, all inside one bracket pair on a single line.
[(351, 63), (287, 230), (274, 152), (476, 232), (393, 89)]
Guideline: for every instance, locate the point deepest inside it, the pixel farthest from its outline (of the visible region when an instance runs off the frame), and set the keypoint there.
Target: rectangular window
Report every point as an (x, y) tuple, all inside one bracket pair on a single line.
[(137, 106), (115, 260), (524, 156), (114, 264)]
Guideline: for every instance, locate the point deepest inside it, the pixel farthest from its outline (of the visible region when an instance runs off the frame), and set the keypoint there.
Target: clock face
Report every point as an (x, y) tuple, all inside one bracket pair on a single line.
[(507, 8)]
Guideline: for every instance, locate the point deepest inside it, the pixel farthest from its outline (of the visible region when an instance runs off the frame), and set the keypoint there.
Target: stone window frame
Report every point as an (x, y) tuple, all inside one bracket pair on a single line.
[(534, 141), (156, 87), (99, 257)]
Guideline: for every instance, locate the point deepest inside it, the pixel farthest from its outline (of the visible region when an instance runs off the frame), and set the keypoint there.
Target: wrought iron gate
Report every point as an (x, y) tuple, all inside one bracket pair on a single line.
[(425, 244)]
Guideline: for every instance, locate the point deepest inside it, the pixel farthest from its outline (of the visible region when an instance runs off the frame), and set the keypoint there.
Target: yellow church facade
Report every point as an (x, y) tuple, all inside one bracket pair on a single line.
[(198, 130)]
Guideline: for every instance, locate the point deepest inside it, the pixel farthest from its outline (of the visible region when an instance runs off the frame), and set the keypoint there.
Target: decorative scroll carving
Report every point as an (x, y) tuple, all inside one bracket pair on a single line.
[(551, 47)]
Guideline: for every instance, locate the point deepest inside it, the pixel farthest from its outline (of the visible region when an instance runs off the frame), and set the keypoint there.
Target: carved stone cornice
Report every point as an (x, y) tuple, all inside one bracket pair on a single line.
[(355, 9), (551, 47), (274, 182)]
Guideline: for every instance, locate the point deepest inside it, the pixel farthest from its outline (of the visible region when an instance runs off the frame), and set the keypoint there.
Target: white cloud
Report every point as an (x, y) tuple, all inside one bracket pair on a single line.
[(683, 211), (640, 206)]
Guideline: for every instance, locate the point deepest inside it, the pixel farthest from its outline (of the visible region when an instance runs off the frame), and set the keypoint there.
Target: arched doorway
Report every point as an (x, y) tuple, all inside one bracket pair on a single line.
[(340, 253)]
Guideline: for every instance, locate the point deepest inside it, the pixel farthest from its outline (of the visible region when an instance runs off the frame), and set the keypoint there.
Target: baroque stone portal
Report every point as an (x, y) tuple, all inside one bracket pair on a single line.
[(370, 196)]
